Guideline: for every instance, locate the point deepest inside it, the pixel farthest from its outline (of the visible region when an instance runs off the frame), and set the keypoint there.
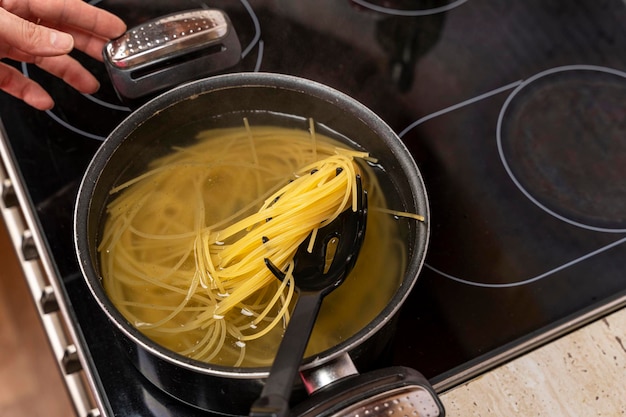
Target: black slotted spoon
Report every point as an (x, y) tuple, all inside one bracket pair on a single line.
[(316, 274)]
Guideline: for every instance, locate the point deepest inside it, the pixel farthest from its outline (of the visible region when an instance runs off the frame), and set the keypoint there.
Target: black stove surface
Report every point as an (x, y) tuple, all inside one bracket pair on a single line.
[(514, 112)]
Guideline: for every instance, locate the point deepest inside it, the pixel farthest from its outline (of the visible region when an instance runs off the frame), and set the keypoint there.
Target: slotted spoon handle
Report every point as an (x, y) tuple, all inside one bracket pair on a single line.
[(274, 399)]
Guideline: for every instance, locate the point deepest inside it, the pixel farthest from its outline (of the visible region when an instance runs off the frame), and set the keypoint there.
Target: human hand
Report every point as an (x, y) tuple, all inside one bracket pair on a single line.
[(44, 32)]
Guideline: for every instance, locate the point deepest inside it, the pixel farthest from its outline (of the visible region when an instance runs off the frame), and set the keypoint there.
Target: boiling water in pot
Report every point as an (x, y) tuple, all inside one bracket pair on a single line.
[(149, 249)]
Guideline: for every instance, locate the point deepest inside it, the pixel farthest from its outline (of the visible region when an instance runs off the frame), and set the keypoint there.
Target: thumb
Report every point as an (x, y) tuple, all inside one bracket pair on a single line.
[(31, 38)]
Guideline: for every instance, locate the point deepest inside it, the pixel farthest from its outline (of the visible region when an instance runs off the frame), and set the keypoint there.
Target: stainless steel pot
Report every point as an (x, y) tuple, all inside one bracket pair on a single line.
[(221, 100)]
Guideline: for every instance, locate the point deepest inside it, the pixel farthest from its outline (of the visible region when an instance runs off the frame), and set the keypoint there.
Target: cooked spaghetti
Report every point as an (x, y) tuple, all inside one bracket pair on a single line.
[(183, 246)]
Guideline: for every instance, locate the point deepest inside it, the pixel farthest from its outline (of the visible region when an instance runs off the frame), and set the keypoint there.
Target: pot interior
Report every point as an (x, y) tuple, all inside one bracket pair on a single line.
[(175, 118)]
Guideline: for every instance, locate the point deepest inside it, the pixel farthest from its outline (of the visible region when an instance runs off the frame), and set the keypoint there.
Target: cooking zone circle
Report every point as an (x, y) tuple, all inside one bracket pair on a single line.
[(561, 138), (409, 8)]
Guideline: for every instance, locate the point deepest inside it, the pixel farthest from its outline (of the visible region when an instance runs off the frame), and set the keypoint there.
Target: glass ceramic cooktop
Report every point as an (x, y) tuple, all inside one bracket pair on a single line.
[(515, 114)]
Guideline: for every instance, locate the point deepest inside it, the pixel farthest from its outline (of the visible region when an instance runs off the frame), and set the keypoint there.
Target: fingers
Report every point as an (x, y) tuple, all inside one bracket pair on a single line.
[(70, 71), (89, 44), (76, 13), (33, 39), (61, 25), (15, 83), (89, 26)]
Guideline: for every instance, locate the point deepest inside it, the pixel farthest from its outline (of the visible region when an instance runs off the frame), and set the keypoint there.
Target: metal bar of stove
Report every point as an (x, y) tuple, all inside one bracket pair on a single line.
[(44, 288)]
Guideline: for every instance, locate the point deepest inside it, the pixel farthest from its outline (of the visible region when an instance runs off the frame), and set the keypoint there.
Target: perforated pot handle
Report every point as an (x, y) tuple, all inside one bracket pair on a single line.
[(171, 50), (390, 391)]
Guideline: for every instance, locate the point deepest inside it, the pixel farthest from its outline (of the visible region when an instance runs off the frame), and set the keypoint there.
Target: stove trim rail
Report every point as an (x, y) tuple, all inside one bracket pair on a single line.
[(45, 289)]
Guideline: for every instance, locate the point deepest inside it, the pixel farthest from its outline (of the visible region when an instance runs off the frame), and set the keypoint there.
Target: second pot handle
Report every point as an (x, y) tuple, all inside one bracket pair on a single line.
[(337, 389)]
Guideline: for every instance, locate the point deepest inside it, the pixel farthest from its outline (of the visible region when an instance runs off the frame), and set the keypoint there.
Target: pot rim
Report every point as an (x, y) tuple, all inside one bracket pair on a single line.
[(243, 80)]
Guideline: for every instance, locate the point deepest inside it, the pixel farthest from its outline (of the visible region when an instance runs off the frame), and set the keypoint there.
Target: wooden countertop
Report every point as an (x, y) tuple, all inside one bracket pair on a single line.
[(580, 374)]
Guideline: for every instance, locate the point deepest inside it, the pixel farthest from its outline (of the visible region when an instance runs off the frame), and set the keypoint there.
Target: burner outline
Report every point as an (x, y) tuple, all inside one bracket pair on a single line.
[(516, 86), (524, 191), (65, 124), (535, 278), (400, 12), (257, 28)]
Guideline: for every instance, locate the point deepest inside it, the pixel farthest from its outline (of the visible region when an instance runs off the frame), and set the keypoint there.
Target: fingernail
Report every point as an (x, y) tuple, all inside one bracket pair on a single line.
[(62, 41)]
